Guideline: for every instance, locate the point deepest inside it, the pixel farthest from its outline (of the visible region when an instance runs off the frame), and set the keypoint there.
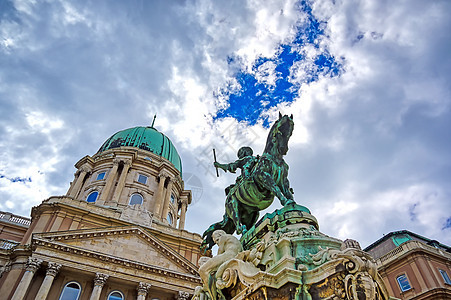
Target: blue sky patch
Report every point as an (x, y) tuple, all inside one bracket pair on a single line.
[(17, 179), (273, 80)]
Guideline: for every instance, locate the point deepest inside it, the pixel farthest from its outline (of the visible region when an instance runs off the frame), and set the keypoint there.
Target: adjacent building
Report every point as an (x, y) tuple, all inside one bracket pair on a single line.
[(412, 266), (118, 233)]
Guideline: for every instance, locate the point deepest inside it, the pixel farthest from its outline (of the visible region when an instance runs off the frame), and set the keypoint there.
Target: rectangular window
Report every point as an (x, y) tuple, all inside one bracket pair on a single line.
[(142, 179), (445, 276), (403, 283), (100, 176)]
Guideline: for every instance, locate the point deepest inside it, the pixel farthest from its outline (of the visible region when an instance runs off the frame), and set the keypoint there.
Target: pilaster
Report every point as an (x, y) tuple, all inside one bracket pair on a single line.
[(165, 208), (159, 197), (109, 183), (32, 265), (121, 182)]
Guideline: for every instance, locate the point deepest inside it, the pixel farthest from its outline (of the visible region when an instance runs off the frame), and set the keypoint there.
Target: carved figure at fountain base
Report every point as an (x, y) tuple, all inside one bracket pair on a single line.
[(285, 256)]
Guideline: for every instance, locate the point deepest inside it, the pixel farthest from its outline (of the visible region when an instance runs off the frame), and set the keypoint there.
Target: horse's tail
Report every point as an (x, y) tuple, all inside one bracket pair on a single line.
[(226, 224)]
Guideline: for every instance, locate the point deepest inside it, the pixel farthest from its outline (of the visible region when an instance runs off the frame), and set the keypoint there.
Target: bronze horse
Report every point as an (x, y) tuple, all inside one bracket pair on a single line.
[(268, 178)]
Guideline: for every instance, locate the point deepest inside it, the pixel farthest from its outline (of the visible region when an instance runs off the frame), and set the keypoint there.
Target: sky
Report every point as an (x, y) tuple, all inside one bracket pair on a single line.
[(367, 82)]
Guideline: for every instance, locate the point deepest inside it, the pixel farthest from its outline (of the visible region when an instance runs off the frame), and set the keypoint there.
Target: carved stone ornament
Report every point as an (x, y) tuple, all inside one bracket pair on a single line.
[(143, 288), (183, 295), (286, 257), (53, 269), (100, 279), (33, 264), (85, 169)]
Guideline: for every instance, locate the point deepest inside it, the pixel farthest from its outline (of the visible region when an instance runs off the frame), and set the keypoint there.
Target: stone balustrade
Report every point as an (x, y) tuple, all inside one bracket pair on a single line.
[(7, 244), (408, 247), (6, 216)]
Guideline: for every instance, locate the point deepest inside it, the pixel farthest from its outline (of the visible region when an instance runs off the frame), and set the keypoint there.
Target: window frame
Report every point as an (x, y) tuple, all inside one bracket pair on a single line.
[(170, 218), (142, 176), (99, 174), (172, 198), (79, 289), (400, 285), (116, 291), (445, 276), (131, 196), (95, 200)]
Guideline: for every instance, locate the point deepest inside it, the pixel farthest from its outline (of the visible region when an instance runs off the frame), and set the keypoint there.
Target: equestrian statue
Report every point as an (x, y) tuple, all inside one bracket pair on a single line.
[(262, 178)]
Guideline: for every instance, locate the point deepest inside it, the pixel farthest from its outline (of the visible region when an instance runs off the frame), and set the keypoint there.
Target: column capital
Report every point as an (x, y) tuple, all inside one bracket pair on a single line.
[(33, 264), (183, 295), (116, 161), (100, 279), (143, 288), (53, 269), (162, 176), (184, 202), (85, 169), (127, 162)]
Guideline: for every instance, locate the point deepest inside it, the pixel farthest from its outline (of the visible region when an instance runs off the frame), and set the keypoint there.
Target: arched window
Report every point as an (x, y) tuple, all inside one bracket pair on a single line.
[(172, 198), (136, 199), (92, 197), (71, 291), (169, 218), (115, 295)]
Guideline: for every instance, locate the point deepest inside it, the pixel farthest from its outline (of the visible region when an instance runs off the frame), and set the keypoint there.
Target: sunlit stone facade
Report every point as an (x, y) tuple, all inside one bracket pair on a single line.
[(118, 231)]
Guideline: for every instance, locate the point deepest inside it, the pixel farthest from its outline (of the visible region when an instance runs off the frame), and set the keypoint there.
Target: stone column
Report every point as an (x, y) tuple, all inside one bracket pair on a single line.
[(52, 270), (143, 289), (32, 265), (183, 214), (159, 197), (121, 182), (99, 282), (79, 181), (109, 183), (166, 200)]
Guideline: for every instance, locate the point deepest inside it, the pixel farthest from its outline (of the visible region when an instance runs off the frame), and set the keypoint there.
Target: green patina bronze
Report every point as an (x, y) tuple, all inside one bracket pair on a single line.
[(263, 178)]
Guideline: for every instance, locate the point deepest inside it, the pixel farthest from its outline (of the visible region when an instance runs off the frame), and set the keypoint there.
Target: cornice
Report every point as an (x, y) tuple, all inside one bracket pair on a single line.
[(109, 215), (410, 248), (86, 159)]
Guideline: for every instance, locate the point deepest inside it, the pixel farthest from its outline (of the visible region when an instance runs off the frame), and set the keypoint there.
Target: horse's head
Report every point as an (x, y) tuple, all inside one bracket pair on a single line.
[(277, 142)]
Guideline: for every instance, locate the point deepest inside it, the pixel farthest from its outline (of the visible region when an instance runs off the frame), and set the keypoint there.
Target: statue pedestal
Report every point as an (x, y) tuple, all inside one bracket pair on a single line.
[(286, 257)]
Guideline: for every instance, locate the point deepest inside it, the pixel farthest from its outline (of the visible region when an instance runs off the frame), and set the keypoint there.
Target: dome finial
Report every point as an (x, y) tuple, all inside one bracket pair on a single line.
[(153, 122)]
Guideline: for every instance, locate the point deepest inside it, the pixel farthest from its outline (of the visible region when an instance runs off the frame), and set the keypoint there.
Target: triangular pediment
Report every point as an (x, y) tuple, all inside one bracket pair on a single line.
[(131, 244)]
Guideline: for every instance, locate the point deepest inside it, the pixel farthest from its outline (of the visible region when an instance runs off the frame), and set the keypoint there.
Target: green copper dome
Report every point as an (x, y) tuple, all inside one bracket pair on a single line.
[(146, 138)]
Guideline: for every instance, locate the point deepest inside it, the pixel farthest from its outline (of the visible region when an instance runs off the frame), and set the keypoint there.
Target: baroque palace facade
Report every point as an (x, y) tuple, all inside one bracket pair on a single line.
[(118, 233), (413, 266)]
